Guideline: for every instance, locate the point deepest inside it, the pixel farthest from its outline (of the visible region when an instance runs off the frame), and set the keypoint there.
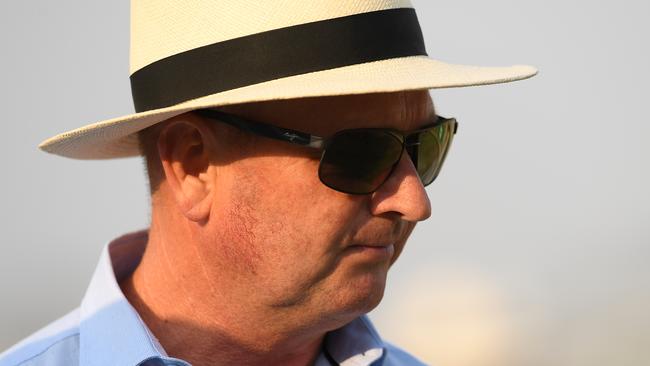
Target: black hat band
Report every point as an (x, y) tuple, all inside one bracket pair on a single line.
[(278, 53)]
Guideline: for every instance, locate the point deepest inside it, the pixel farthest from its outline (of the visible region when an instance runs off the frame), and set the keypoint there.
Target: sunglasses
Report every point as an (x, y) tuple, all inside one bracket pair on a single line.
[(360, 160)]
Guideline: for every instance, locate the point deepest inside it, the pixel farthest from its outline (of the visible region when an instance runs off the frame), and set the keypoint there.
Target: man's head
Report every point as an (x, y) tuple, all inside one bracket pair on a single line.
[(263, 225)]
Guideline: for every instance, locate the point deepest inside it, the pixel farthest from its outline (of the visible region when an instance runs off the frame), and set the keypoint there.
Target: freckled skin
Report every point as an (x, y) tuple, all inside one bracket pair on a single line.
[(272, 249)]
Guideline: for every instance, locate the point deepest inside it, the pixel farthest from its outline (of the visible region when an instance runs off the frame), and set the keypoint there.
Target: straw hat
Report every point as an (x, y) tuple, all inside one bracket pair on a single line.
[(187, 55)]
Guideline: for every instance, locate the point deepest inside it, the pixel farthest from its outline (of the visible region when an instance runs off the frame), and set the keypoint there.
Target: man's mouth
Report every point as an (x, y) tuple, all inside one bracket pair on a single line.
[(372, 251)]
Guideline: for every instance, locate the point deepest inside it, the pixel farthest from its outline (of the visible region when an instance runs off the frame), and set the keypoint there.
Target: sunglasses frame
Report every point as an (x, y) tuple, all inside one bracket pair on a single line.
[(320, 143)]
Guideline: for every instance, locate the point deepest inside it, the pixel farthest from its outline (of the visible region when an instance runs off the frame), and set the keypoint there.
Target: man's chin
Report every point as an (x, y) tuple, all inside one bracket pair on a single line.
[(356, 286), (364, 292)]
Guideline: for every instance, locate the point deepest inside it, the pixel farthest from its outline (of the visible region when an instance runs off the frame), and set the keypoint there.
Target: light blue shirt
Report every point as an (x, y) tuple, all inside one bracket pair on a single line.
[(107, 331)]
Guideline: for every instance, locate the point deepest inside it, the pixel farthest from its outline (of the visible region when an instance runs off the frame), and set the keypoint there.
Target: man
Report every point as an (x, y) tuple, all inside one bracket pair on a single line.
[(287, 153)]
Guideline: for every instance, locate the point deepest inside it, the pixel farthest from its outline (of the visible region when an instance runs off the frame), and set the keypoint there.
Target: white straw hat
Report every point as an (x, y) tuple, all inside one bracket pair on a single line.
[(187, 55)]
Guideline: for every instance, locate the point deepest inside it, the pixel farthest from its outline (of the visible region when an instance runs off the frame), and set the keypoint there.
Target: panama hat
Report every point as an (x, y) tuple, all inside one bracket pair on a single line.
[(188, 55)]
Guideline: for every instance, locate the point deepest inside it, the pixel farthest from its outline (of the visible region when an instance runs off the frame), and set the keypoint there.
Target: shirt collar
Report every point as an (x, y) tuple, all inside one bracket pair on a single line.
[(356, 343), (112, 332)]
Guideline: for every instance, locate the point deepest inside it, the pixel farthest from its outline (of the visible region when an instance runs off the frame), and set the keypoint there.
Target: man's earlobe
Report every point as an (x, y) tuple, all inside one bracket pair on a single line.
[(185, 146)]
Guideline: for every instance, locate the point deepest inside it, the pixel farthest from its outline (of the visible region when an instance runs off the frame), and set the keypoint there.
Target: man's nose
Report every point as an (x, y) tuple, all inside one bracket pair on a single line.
[(403, 193)]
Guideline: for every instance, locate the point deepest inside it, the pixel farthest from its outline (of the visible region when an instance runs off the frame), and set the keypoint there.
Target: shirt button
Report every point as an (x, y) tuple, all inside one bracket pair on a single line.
[(152, 362), (160, 362)]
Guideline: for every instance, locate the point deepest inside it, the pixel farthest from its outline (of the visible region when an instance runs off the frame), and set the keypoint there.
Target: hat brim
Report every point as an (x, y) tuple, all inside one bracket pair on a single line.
[(116, 137)]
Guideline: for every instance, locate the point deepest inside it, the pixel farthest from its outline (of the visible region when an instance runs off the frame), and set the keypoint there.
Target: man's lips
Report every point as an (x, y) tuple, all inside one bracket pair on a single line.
[(374, 251), (371, 245)]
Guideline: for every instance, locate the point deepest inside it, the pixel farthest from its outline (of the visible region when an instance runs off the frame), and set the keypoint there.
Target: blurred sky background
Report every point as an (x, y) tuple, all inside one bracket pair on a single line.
[(536, 252)]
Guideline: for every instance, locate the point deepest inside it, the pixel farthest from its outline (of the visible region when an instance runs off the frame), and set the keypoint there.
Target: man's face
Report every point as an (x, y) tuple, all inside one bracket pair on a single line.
[(278, 233)]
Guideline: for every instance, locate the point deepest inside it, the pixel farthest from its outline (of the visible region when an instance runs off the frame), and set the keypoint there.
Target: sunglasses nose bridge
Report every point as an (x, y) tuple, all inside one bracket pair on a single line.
[(411, 144), (411, 148)]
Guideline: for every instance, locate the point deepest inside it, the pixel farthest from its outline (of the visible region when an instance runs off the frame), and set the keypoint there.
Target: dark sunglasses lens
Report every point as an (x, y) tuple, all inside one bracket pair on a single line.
[(432, 149), (359, 161)]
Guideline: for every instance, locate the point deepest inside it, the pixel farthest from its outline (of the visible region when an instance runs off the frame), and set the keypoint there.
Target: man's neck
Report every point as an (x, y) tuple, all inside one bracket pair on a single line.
[(203, 323)]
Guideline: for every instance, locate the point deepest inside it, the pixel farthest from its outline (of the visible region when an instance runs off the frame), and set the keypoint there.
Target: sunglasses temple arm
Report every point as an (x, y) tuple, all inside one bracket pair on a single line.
[(263, 129)]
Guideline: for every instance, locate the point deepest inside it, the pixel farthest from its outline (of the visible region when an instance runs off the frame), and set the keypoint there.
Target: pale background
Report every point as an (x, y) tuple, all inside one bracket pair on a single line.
[(537, 249)]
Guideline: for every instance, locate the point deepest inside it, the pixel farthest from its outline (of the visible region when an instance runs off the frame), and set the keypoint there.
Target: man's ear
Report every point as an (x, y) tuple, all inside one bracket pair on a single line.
[(185, 145)]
